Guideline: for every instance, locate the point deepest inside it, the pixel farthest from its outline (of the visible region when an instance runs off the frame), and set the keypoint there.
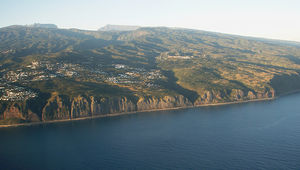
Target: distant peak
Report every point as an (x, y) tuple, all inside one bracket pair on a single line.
[(119, 28), (38, 25)]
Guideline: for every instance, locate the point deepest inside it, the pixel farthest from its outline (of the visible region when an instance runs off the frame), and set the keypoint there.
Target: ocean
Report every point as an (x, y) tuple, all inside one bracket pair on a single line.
[(255, 135)]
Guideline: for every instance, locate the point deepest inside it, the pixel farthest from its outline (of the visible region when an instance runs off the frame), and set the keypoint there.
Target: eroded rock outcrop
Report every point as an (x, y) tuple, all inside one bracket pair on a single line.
[(13, 112), (60, 107), (57, 107), (235, 95)]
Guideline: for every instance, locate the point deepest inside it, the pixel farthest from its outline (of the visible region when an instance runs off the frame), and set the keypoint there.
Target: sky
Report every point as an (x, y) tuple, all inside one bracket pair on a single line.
[(276, 19)]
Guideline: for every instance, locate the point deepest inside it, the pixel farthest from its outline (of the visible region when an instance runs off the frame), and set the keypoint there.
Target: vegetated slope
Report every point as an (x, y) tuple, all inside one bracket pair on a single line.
[(49, 73)]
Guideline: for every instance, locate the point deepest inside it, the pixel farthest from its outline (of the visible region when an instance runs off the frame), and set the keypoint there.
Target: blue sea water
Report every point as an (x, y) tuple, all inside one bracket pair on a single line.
[(258, 135)]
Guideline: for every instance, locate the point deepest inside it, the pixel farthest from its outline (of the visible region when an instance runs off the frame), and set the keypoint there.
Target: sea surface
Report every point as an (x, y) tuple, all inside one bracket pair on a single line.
[(258, 135)]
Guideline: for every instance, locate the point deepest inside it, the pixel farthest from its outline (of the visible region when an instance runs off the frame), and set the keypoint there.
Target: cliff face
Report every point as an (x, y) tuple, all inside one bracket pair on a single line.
[(209, 97), (13, 112), (151, 103), (58, 107), (82, 106)]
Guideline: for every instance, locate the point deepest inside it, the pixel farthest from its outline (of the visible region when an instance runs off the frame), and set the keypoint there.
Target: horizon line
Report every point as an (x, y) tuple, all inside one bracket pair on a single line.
[(159, 26)]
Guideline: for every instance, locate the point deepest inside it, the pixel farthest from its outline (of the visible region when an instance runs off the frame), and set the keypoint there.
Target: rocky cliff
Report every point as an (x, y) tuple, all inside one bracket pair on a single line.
[(58, 107)]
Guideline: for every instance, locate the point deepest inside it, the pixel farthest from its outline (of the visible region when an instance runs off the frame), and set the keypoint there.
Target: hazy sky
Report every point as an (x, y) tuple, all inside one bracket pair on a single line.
[(277, 19)]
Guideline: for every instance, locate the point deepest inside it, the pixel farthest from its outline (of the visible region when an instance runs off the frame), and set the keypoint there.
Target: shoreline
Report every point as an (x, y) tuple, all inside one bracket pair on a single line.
[(136, 112), (289, 93)]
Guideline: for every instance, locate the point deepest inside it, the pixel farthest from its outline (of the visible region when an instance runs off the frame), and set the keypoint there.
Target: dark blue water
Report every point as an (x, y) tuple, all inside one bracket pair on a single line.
[(261, 135)]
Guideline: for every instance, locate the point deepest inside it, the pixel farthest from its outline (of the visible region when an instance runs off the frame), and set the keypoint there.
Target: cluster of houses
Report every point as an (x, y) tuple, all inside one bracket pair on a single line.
[(44, 70), (38, 71), (133, 76), (14, 93)]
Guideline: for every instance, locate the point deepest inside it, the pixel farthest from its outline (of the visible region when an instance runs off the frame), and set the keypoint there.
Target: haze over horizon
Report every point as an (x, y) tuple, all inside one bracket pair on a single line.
[(274, 19)]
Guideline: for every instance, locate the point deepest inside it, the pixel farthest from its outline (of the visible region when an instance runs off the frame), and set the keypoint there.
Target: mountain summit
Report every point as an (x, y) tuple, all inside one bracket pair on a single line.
[(119, 28), (44, 25)]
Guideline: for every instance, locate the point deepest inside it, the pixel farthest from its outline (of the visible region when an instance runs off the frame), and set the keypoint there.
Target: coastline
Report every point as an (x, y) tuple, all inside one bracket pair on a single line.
[(136, 112), (289, 93)]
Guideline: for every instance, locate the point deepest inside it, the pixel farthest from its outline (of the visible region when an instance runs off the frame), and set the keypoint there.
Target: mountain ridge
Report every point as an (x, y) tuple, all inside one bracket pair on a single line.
[(133, 27)]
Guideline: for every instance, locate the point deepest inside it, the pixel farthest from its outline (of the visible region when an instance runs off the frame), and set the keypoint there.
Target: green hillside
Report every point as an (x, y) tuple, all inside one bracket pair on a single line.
[(204, 67)]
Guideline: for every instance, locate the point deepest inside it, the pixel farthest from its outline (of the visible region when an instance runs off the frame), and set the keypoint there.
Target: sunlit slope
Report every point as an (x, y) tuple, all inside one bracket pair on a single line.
[(192, 63)]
